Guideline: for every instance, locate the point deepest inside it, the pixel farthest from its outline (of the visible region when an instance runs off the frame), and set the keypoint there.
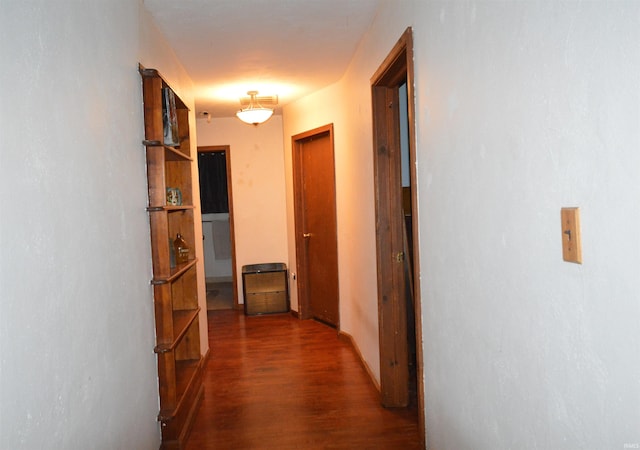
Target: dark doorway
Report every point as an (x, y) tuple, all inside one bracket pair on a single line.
[(399, 309), (316, 229), (212, 167), (216, 203)]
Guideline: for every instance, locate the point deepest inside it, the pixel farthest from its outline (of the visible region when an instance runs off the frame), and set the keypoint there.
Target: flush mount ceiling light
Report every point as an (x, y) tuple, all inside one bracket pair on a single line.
[(255, 113)]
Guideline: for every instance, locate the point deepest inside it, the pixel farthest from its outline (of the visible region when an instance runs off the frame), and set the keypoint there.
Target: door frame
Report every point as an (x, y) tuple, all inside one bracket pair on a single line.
[(395, 69), (304, 309), (234, 272)]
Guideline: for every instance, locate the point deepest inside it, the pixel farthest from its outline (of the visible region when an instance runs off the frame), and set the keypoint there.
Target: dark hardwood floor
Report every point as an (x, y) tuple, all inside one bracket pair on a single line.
[(276, 382)]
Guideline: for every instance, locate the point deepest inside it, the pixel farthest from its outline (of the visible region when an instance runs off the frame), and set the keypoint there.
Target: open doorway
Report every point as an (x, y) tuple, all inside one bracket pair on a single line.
[(399, 307), (216, 204)]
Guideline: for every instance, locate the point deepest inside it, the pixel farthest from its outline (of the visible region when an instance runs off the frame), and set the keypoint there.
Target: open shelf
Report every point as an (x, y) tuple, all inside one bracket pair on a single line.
[(186, 375), (175, 290), (170, 153), (182, 320), (176, 272), (170, 208)]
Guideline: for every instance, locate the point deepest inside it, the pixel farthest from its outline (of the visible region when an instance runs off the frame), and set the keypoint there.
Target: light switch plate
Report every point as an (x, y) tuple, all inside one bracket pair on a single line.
[(571, 245)]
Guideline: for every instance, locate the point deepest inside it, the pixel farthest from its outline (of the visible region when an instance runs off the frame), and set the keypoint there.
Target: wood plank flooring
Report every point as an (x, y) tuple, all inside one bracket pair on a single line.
[(276, 382)]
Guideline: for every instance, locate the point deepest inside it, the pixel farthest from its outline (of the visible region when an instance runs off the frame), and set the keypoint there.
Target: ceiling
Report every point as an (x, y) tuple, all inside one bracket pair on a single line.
[(287, 48)]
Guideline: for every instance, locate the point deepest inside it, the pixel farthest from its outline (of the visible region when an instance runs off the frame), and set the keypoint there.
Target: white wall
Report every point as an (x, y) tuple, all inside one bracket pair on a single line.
[(77, 368), (354, 208), (347, 104), (258, 187), (522, 108), (525, 108), (215, 267)]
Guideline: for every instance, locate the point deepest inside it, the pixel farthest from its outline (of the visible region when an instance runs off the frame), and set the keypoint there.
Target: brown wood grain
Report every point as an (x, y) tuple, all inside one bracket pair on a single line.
[(277, 382), (175, 289), (316, 225)]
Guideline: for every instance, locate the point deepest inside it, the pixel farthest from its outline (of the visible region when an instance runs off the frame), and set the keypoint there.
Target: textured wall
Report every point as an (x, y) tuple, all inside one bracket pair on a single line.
[(257, 176), (347, 104), (77, 368), (523, 108)]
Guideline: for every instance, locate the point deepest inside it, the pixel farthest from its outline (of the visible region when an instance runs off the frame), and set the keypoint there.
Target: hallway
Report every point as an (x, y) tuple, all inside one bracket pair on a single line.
[(276, 382)]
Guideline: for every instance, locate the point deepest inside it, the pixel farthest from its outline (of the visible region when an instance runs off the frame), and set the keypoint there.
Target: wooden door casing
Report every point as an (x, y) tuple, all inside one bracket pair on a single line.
[(316, 225), (395, 70)]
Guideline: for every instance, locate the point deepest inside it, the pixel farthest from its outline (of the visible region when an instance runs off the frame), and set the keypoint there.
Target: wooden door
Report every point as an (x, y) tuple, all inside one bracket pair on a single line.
[(316, 234), (397, 279)]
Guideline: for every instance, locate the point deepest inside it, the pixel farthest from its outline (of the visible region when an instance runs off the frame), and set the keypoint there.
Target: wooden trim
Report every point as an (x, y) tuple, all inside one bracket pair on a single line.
[(298, 180), (301, 256), (153, 73), (415, 231), (396, 68), (234, 270), (310, 133), (205, 358), (185, 431), (394, 363), (346, 337), (182, 321), (175, 273)]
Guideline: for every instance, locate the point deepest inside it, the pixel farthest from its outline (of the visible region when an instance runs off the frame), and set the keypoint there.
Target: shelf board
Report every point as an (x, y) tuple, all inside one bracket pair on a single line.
[(170, 208), (171, 153), (266, 290), (181, 268), (153, 73), (182, 320), (176, 272), (186, 371)]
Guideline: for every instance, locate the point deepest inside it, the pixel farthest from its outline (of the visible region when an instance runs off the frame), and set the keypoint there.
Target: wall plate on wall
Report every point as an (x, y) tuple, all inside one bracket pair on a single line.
[(571, 244)]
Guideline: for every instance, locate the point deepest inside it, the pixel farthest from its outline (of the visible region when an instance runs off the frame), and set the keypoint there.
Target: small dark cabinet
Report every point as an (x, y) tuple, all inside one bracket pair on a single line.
[(266, 290)]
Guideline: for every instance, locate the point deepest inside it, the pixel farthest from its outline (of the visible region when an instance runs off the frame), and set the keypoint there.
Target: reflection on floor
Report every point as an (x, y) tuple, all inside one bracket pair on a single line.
[(219, 295), (277, 382)]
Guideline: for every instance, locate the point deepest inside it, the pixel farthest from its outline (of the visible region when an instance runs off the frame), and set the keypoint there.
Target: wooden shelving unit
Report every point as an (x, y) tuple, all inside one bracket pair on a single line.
[(180, 363)]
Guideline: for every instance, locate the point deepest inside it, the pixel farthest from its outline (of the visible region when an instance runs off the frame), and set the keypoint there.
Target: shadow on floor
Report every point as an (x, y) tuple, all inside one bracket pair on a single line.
[(219, 296)]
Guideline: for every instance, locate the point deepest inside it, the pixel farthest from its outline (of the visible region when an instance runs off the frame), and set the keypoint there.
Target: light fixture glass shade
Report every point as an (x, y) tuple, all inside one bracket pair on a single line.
[(255, 113), (254, 116)]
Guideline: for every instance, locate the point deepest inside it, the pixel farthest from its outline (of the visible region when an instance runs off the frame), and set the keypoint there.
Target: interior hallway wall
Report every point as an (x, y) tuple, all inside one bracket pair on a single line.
[(521, 108), (524, 108), (258, 188), (347, 104), (77, 368)]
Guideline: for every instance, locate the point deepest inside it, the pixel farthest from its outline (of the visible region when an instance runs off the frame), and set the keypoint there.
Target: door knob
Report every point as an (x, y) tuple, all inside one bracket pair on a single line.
[(307, 235)]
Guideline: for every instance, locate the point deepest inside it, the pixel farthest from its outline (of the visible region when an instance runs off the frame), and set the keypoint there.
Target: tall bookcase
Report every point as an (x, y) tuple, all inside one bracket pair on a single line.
[(169, 162)]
